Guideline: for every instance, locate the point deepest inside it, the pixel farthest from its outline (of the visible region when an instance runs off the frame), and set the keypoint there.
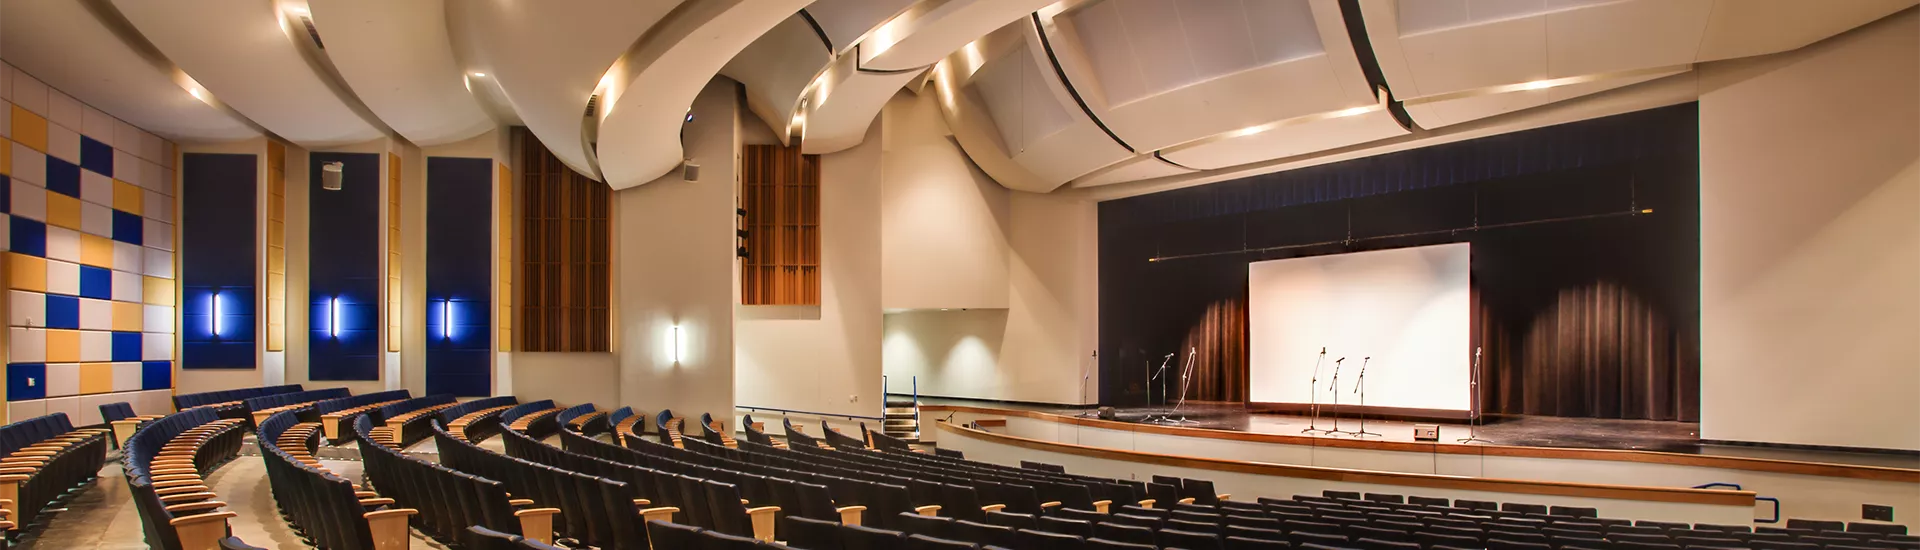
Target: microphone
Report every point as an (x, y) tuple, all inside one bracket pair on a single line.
[(1323, 350), (1170, 355), (1337, 361)]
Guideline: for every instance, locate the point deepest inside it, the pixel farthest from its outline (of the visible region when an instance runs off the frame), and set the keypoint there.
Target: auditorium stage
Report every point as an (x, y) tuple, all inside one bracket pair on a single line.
[(1516, 431)]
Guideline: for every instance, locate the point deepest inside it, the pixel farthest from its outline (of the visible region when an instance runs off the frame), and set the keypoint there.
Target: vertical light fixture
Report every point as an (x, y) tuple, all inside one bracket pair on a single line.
[(213, 321), (446, 320), (333, 317), (676, 344)]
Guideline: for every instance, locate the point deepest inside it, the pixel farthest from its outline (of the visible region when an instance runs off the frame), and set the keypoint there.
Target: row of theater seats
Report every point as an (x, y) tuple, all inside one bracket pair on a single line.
[(164, 463), (330, 511), (42, 459), (476, 420), (450, 500), (229, 403), (600, 508), (259, 408), (336, 415), (407, 422)]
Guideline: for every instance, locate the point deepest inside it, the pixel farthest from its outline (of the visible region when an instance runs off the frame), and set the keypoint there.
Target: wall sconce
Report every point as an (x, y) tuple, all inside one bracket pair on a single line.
[(333, 317), (676, 344), (213, 321), (446, 319)]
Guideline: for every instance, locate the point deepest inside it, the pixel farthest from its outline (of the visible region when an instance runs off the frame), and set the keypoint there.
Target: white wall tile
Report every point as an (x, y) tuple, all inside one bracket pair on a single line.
[(96, 219), (29, 165), (128, 287), (129, 257), (159, 263), (125, 138), (68, 405), (6, 81), (155, 177), (63, 143), (63, 244), (22, 410), (26, 345), (97, 125), (157, 206), (64, 111), (126, 167), (157, 234), (62, 277), (153, 148), (90, 408), (63, 379), (159, 318), (29, 93), (126, 377), (6, 118), (26, 309), (96, 346), (96, 314), (156, 346), (96, 187), (29, 202)]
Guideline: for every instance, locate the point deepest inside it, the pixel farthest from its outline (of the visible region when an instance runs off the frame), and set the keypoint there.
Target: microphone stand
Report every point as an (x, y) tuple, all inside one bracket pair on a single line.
[(1473, 412), (1086, 372), (1159, 418), (1334, 388), (1361, 388), (1186, 377), (1313, 396)]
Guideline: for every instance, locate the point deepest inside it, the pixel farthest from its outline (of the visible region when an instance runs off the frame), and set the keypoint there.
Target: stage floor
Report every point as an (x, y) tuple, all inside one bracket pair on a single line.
[(1520, 431)]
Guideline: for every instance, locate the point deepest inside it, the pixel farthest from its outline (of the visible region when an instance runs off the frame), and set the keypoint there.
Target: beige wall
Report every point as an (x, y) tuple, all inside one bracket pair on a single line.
[(943, 221), (1810, 242), (824, 358), (567, 378), (675, 266)]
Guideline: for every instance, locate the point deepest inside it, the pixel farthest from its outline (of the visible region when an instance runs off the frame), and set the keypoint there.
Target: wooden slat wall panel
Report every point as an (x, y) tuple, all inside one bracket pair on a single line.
[(393, 252), (504, 184), (276, 246), (565, 254), (781, 194)]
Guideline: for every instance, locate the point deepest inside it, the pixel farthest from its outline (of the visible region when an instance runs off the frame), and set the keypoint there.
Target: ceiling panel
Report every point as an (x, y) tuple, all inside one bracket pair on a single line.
[(1289, 140), (240, 50), (397, 58), (846, 21), (777, 68), (65, 46), (1146, 47)]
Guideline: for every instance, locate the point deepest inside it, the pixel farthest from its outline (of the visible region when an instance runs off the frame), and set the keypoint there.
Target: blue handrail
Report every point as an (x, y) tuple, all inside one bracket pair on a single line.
[(813, 413), (1736, 487)]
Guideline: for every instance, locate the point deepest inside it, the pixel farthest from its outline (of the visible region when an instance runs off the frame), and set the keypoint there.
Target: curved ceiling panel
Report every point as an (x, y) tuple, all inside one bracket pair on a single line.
[(777, 68), (1308, 135), (838, 115), (921, 37), (239, 50), (1755, 27), (396, 58), (846, 22), (1043, 154), (548, 57), (64, 45), (640, 132), (1142, 167)]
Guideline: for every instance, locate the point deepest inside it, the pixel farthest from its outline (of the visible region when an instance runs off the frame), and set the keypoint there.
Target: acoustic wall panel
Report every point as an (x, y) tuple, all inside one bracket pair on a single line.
[(218, 194), (459, 276), (83, 215), (276, 246), (344, 274)]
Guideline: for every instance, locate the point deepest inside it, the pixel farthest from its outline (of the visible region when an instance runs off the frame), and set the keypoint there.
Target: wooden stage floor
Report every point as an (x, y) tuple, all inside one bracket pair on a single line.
[(1521, 431)]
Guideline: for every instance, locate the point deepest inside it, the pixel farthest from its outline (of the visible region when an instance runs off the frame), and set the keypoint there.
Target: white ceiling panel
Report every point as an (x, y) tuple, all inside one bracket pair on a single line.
[(397, 58), (1146, 47), (1138, 168), (548, 57), (921, 37), (845, 22), (239, 50), (1015, 94), (64, 45), (1289, 140), (777, 68), (1741, 28), (838, 120)]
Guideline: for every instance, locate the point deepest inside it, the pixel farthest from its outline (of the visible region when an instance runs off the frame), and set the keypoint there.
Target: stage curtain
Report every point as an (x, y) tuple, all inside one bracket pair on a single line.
[(1218, 343), (1595, 350)]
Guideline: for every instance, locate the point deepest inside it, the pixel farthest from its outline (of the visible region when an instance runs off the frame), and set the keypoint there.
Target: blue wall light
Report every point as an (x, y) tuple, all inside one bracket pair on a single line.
[(214, 320), (333, 317), (446, 320)]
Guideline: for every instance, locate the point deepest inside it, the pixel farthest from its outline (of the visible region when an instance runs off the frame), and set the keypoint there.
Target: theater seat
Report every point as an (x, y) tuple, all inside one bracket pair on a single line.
[(1244, 543), (923, 542), (1104, 544)]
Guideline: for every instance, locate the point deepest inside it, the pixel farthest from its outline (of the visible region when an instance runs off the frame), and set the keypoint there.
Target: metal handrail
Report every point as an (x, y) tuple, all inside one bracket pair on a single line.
[(1736, 487), (813, 413)]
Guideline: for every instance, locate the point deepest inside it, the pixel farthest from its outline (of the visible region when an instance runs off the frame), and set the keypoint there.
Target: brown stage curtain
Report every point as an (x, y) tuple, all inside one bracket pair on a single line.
[(1219, 343), (1596, 350)]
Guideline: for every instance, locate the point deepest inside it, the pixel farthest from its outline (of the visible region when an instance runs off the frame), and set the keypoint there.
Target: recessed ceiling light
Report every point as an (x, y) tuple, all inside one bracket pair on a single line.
[(195, 92), (480, 74), (1537, 85)]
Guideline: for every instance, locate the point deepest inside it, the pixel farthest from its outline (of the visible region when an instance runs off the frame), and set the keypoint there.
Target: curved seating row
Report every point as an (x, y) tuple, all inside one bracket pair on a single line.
[(542, 421), (481, 538), (331, 511), (41, 459), (449, 500), (407, 421), (229, 403), (478, 419), (336, 415), (120, 416), (164, 462), (593, 509), (715, 431), (259, 408)]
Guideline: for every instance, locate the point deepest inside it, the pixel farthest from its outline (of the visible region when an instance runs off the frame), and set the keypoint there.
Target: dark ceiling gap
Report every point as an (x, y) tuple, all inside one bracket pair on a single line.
[(1370, 64), (1047, 44)]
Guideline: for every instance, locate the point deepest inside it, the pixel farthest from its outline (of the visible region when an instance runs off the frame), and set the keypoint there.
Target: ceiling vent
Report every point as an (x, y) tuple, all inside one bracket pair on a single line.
[(312, 32), (593, 105)]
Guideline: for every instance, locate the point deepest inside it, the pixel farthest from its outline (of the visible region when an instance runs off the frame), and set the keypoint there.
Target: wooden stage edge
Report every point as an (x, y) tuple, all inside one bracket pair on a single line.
[(1874, 473), (1427, 481)]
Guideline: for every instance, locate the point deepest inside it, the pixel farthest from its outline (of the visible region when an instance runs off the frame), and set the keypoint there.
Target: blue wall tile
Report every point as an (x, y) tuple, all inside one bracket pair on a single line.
[(27, 236), (156, 375), (96, 156), (63, 177), (126, 346), (26, 381), (127, 227), (62, 311), (96, 283)]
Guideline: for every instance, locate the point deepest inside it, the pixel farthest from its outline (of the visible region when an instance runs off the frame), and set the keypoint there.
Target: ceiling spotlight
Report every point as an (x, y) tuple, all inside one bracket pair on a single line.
[(480, 74), (1537, 85), (195, 92)]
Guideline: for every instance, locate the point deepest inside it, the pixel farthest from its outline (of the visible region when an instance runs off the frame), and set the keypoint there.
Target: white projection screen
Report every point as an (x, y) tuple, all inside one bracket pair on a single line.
[(1407, 308)]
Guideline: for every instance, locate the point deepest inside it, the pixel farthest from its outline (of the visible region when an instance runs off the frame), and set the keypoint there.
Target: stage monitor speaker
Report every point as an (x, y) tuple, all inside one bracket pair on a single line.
[(1426, 432), (1106, 413)]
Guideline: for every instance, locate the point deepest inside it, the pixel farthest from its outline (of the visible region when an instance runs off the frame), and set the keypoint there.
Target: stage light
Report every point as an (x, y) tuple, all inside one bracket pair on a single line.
[(1646, 211), (214, 321), (333, 317), (446, 320)]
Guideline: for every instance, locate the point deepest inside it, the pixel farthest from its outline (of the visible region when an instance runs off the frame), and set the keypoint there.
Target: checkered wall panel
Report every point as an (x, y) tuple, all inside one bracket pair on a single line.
[(87, 216)]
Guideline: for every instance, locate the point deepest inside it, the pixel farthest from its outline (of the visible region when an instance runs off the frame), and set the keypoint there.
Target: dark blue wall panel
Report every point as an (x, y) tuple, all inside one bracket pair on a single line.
[(217, 241), (459, 276), (344, 270)]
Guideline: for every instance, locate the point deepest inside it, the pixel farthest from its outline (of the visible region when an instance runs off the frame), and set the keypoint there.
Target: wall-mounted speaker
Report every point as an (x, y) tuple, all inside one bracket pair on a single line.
[(330, 175), (690, 171)]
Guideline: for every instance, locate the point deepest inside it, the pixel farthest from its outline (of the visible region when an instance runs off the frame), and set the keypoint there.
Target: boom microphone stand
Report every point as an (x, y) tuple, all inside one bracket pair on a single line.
[(1473, 418), (1313, 396), (1159, 418), (1361, 388), (1335, 389), (1186, 377)]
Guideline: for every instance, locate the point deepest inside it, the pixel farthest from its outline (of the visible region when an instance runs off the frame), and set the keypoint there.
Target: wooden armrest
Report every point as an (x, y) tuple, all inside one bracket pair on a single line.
[(201, 531), (1148, 503), (520, 502), (641, 502), (389, 527), (187, 497), (537, 523), (1102, 506), (530, 512), (1188, 500), (1046, 505), (993, 507), (371, 502), (365, 494), (19, 471), (763, 521), (663, 513), (176, 477), (1224, 496), (32, 452), (850, 515), (176, 483), (181, 489), (174, 470), (203, 506), (928, 510)]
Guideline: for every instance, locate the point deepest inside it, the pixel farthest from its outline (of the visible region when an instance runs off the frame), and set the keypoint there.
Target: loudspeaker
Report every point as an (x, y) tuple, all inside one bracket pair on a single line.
[(1426, 432), (1106, 413), (690, 171), (330, 175)]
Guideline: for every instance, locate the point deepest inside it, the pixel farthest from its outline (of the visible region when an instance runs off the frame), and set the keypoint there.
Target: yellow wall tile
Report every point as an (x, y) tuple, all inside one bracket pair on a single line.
[(126, 197), (63, 210), (29, 129), (159, 291), (127, 317), (96, 251), (63, 346), (27, 272), (96, 378), (6, 157)]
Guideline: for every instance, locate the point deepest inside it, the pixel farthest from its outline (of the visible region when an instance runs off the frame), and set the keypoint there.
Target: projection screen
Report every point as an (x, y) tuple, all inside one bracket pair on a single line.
[(1406, 308)]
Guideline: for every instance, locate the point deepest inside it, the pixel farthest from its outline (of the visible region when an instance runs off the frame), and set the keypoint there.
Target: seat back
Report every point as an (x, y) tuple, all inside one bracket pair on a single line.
[(114, 412)]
